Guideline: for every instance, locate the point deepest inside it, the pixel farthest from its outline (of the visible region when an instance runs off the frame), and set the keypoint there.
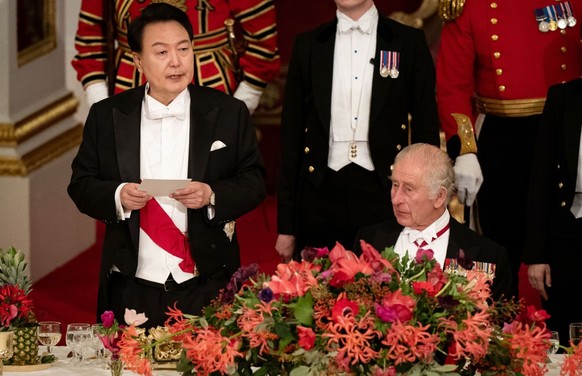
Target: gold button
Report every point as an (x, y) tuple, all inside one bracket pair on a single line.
[(563, 49), (499, 71), (560, 185), (563, 203), (398, 147), (494, 5), (497, 55), (494, 21), (563, 67), (494, 37), (306, 150), (403, 126), (563, 31), (311, 168), (501, 88)]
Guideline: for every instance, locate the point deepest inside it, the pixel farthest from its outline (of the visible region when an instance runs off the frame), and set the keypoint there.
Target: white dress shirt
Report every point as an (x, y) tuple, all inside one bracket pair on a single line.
[(164, 149), (405, 243), (351, 93)]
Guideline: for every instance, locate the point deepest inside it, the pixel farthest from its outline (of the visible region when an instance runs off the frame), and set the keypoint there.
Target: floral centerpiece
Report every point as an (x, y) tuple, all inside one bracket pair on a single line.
[(110, 332), (337, 313), (16, 312)]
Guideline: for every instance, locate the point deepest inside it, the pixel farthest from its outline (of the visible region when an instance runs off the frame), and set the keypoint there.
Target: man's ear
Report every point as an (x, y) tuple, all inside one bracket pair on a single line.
[(137, 61), (441, 198)]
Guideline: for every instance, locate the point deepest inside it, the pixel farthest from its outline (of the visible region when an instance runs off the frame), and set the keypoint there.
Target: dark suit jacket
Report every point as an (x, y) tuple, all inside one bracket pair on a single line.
[(110, 155), (554, 171), (476, 247), (305, 122)]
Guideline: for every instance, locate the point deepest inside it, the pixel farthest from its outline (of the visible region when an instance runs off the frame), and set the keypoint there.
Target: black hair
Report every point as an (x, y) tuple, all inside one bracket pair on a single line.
[(154, 13)]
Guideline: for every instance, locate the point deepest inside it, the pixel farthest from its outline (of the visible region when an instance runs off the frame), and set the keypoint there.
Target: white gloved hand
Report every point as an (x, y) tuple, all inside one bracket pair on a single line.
[(468, 178), (249, 95), (96, 92)]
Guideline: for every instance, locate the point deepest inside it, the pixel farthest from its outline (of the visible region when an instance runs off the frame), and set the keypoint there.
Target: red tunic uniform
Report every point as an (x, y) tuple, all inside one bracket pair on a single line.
[(495, 54), (213, 59)]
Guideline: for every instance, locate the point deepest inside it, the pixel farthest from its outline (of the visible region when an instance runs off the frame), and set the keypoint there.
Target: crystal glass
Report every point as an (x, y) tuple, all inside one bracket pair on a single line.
[(49, 334), (78, 334), (554, 343), (6, 350), (97, 345), (576, 332)]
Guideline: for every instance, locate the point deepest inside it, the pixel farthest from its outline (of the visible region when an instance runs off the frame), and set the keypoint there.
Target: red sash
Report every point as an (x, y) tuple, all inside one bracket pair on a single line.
[(155, 222)]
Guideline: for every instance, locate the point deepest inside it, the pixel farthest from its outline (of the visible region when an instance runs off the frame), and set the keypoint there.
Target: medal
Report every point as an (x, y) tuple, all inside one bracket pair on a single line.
[(553, 24), (541, 18), (384, 71), (389, 64), (569, 15), (562, 22)]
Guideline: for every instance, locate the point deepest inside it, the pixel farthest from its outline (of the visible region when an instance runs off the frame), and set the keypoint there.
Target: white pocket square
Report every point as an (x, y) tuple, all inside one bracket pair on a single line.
[(217, 145)]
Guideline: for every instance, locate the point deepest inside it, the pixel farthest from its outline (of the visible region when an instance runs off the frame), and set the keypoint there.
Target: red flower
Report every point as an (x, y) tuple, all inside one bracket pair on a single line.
[(343, 307), (306, 337), (420, 287), (14, 305), (532, 315)]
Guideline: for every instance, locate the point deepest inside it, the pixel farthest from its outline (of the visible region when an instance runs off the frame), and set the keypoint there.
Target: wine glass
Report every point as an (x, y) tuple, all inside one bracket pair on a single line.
[(97, 344), (49, 334), (576, 332), (554, 343), (77, 335), (6, 350)]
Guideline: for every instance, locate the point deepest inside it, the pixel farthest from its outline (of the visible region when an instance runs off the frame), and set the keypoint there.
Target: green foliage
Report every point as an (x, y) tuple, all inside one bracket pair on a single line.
[(14, 269)]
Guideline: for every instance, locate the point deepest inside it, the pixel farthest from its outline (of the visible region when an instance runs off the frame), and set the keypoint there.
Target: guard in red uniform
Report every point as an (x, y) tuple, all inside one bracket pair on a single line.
[(214, 64), (496, 61)]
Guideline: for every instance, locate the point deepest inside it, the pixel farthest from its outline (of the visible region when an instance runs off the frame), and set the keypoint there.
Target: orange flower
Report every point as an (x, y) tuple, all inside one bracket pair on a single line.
[(407, 343), (293, 279), (210, 351), (353, 339), (572, 362), (529, 345), (471, 336), (131, 352)]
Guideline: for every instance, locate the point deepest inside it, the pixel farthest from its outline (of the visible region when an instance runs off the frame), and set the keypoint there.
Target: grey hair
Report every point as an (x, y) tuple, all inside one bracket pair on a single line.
[(437, 167)]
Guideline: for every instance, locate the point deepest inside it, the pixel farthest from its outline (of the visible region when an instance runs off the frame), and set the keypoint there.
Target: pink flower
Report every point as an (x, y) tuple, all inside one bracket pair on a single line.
[(107, 318), (395, 307), (423, 254), (131, 317), (306, 337)]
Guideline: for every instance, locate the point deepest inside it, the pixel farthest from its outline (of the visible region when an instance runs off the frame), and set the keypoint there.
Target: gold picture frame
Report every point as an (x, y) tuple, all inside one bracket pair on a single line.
[(36, 29)]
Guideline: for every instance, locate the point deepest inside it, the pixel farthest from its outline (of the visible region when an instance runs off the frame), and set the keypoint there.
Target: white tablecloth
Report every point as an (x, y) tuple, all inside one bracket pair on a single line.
[(64, 367)]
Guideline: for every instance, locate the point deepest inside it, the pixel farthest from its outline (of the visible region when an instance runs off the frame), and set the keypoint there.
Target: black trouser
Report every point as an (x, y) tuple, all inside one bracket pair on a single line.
[(153, 299), (346, 201), (565, 261), (505, 151)]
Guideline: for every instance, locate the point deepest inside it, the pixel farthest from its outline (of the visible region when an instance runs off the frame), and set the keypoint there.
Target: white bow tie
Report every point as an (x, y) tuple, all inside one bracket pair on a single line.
[(167, 112), (348, 25)]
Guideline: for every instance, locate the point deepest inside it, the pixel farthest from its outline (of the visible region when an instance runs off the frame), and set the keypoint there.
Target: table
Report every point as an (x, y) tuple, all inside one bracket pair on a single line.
[(64, 367)]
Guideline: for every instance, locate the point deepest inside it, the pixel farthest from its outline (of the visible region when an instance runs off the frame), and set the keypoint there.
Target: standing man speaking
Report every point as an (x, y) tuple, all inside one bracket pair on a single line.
[(179, 248)]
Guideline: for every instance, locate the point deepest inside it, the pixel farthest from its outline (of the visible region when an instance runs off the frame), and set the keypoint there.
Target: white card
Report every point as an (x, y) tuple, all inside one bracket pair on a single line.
[(163, 187)]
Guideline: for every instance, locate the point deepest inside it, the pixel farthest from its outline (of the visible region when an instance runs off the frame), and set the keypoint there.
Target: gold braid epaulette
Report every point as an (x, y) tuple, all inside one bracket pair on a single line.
[(450, 9), (465, 133)]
